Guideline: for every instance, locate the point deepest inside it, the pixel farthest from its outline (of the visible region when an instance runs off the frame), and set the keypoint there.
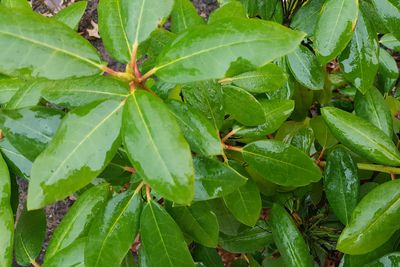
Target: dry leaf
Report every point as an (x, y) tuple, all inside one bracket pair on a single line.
[(94, 32)]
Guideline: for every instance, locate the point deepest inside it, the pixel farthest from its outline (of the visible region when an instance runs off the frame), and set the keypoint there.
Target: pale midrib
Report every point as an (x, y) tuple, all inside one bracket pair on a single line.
[(26, 251), (122, 27), (337, 20), (89, 91), (139, 24), (372, 141), (209, 50), (249, 77), (160, 235), (140, 113), (195, 221), (112, 228), (56, 49), (83, 141), (283, 162)]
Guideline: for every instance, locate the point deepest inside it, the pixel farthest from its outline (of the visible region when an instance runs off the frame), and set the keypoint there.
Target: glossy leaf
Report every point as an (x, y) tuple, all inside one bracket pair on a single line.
[(77, 221), (245, 203), (389, 260), (221, 43), (248, 240), (361, 136), (242, 106), (373, 108), (78, 92), (268, 78), (6, 216), (74, 158), (373, 221), (227, 222), (322, 132), (27, 96), (341, 183), (8, 88), (359, 61), (388, 71), (197, 222), (215, 179), (306, 68), (17, 161), (113, 231), (163, 160), (281, 163), (162, 238), (389, 12), (29, 236), (288, 238), (206, 97), (184, 16), (72, 255), (302, 139), (306, 17), (30, 129), (45, 51), (276, 111), (199, 132), (334, 29), (232, 9), (72, 14), (391, 42)]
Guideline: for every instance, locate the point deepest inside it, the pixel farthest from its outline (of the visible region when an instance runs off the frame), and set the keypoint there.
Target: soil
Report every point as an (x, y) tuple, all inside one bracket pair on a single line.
[(56, 212)]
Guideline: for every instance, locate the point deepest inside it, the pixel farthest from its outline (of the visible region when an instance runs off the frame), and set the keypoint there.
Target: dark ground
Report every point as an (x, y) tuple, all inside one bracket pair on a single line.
[(56, 212)]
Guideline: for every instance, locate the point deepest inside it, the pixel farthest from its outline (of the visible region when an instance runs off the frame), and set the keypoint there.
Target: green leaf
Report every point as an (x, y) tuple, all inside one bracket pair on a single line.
[(162, 238), (247, 241), (8, 88), (206, 97), (113, 231), (245, 203), (373, 221), (388, 71), (72, 15), (29, 236), (341, 183), (199, 132), (243, 106), (6, 217), (233, 9), (372, 107), (27, 96), (359, 61), (157, 148), (184, 16), (198, 222), (51, 49), (390, 42), (77, 221), (222, 43), (78, 92), (276, 111), (207, 256), (334, 29), (22, 4), (281, 163), (266, 79), (18, 163), (227, 223), (389, 260), (129, 260), (215, 179), (74, 158), (322, 133), (30, 129), (288, 238), (306, 68), (307, 16), (73, 255), (389, 12), (301, 138), (361, 137)]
